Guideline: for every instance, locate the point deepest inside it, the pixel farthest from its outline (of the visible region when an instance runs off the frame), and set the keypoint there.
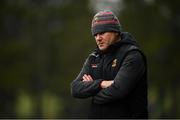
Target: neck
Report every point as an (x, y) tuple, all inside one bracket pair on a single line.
[(111, 47), (117, 39)]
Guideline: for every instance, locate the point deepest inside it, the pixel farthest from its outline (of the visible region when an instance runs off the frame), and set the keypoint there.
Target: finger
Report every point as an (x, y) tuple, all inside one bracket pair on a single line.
[(90, 77), (87, 78), (84, 78)]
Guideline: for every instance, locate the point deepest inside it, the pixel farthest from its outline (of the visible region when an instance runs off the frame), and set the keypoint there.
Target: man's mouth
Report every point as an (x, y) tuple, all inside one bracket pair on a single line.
[(100, 44)]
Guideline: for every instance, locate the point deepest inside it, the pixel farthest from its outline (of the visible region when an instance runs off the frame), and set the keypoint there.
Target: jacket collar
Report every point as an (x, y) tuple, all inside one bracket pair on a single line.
[(110, 49), (126, 38)]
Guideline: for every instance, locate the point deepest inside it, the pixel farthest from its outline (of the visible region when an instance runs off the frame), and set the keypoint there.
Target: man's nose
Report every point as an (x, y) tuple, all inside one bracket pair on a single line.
[(98, 37)]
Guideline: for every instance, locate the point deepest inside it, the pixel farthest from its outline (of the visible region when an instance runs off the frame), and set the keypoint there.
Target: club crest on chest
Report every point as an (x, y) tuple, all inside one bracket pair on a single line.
[(94, 65), (114, 63)]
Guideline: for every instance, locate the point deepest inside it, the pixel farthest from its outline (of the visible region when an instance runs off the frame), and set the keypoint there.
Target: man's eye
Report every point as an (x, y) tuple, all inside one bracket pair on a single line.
[(101, 33)]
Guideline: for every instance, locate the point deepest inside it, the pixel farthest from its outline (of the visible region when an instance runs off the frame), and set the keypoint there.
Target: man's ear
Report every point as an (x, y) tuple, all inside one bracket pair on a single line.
[(117, 34)]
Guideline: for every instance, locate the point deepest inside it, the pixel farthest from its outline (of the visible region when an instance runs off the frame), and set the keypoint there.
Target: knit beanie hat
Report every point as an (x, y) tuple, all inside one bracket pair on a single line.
[(105, 21)]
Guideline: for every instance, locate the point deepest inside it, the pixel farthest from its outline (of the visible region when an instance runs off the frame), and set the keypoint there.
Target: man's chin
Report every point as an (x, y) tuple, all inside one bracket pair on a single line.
[(102, 49)]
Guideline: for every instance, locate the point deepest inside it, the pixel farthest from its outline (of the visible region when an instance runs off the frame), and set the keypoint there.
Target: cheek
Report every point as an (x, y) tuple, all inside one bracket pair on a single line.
[(109, 41)]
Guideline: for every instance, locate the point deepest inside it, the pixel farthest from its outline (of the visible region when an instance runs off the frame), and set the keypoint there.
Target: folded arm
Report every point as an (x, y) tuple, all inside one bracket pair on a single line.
[(84, 86), (125, 80)]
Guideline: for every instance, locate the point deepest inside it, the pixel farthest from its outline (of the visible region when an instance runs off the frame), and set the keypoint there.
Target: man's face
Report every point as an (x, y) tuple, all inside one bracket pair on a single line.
[(105, 39)]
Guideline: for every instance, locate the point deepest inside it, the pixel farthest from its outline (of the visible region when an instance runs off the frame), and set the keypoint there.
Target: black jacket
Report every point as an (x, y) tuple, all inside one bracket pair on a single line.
[(127, 96)]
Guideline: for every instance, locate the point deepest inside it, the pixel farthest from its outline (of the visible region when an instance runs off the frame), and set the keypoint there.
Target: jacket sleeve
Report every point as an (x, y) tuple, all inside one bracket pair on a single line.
[(80, 89), (130, 71)]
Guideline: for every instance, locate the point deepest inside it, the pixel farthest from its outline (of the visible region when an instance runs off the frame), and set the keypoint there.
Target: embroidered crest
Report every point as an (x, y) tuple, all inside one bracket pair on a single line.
[(114, 63), (94, 65)]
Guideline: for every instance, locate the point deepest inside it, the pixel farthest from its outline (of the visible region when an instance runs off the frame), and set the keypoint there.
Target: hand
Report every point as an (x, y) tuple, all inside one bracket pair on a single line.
[(87, 78), (105, 83)]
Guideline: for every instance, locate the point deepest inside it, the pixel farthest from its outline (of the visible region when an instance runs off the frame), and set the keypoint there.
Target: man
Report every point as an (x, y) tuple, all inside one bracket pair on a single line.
[(115, 74)]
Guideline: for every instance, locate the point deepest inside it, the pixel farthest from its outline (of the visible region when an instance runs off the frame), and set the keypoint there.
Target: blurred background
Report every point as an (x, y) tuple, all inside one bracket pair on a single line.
[(43, 45)]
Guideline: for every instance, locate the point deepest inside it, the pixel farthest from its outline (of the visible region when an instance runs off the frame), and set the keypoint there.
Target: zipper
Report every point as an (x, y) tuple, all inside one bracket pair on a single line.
[(102, 66)]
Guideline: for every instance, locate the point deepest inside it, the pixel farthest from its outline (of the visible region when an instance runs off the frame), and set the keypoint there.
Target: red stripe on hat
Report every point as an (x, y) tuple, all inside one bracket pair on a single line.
[(106, 13), (105, 22)]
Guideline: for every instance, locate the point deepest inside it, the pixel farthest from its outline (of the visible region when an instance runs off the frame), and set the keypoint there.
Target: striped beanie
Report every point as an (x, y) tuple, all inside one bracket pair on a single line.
[(105, 21)]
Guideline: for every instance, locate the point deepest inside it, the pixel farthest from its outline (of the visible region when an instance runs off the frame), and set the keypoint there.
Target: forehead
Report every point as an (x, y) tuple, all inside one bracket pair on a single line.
[(108, 33)]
